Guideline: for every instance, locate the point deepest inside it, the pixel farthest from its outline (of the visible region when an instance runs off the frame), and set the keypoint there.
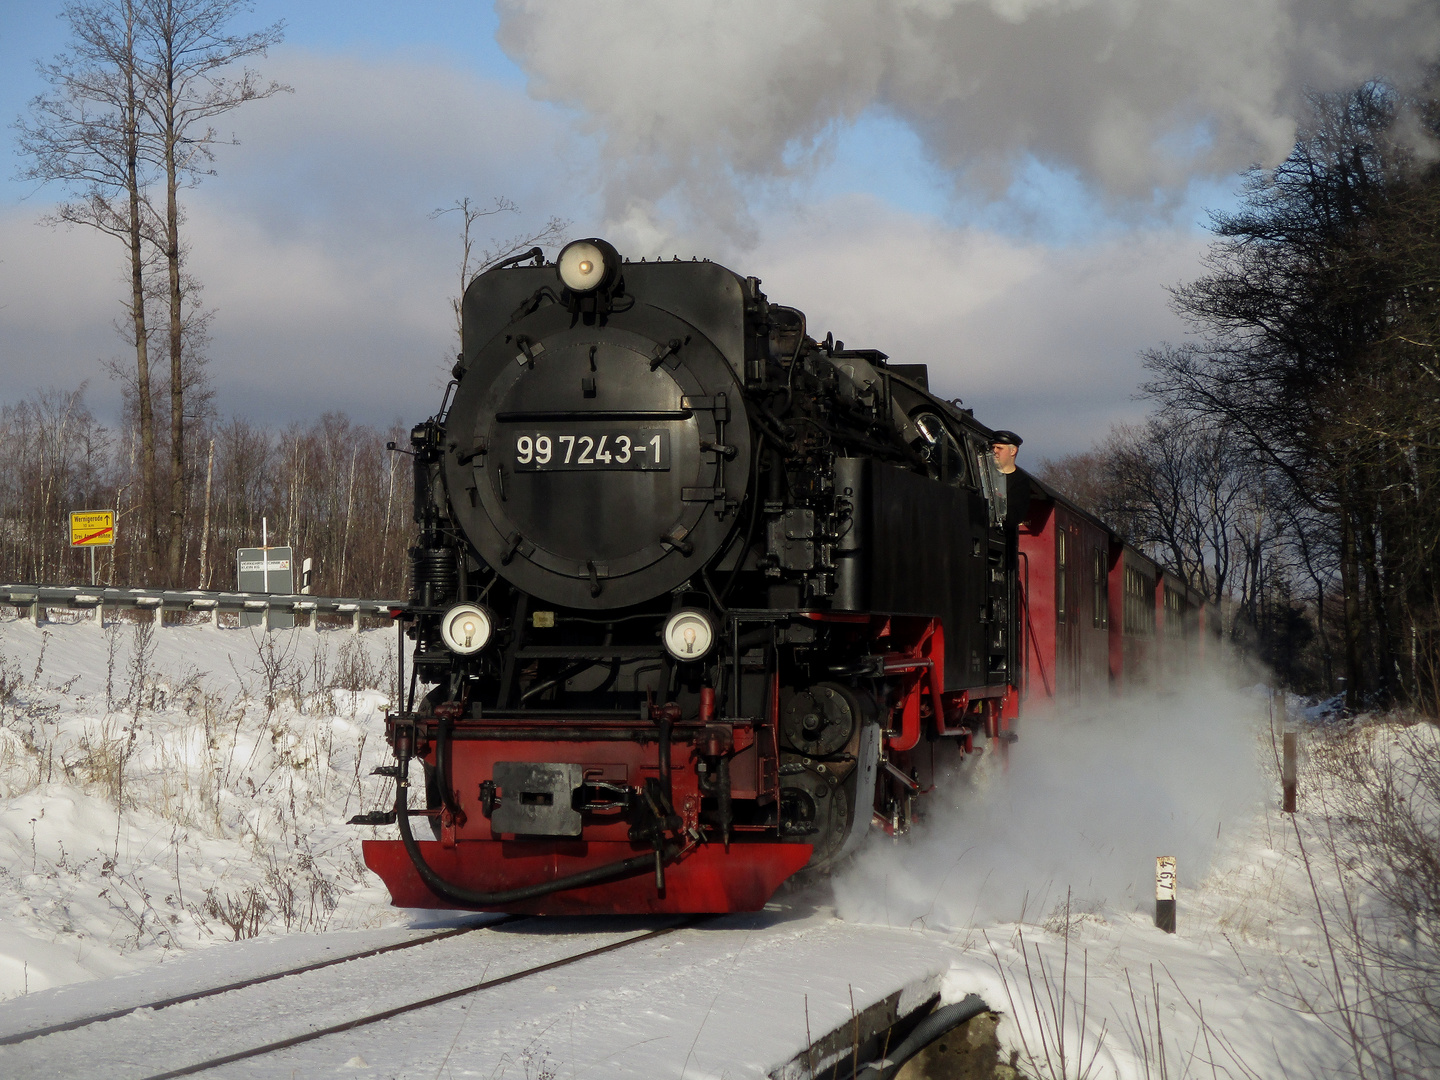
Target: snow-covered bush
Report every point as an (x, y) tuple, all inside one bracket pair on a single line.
[(163, 787)]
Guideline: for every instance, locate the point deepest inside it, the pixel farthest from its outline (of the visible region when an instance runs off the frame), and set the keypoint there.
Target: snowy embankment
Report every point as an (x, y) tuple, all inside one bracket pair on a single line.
[(166, 790), (1306, 943)]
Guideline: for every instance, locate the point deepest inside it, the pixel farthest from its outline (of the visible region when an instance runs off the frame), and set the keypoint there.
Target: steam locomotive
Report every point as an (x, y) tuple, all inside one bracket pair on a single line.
[(698, 600)]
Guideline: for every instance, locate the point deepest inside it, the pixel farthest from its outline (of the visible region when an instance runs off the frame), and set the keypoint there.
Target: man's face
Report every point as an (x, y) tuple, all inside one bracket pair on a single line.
[(1005, 455)]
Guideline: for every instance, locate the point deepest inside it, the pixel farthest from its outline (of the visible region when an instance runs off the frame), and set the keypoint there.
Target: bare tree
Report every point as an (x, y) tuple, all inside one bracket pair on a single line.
[(1082, 478), (1181, 490), (473, 264), (188, 49), (1180, 486), (86, 135), (1318, 351), (130, 106), (57, 460)]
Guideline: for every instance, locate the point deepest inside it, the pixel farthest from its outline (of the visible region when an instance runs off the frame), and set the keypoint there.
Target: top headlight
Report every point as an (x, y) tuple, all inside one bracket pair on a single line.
[(586, 265)]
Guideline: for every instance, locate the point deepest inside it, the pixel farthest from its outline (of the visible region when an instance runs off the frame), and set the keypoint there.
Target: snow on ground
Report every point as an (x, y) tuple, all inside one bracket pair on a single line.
[(169, 788), (233, 759)]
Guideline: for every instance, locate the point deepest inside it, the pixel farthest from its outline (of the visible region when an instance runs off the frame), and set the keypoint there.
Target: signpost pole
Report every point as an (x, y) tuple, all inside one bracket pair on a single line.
[(265, 562)]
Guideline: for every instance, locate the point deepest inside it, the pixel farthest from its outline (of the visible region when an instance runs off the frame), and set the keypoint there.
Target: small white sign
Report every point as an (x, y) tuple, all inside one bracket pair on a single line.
[(257, 567), (1165, 877)]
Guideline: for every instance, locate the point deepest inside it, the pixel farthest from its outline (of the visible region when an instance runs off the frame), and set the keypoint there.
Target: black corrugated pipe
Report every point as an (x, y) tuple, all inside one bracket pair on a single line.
[(664, 763), (458, 894), (926, 1032), (727, 815)]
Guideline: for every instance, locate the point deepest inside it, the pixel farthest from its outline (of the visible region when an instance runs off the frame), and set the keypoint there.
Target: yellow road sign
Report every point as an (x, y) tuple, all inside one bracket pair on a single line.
[(92, 528)]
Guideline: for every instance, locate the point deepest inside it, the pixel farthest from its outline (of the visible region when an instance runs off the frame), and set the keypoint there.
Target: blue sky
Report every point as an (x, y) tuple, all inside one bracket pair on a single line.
[(458, 34), (1000, 188)]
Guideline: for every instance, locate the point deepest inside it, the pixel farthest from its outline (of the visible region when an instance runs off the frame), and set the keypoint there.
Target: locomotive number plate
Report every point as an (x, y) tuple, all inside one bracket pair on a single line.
[(552, 451)]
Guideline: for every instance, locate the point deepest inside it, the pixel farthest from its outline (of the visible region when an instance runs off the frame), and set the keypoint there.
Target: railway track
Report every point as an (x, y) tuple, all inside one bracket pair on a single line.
[(241, 984), (321, 999)]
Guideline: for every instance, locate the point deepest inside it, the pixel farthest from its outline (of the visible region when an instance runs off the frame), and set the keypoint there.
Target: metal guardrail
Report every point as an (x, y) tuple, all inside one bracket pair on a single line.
[(34, 599)]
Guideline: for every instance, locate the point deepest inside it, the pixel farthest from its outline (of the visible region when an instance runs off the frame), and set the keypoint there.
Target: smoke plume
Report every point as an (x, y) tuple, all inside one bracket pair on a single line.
[(1135, 97), (1089, 800)]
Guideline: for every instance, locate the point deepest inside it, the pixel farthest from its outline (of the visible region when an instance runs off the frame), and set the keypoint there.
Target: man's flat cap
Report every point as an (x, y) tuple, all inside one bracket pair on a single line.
[(1010, 437)]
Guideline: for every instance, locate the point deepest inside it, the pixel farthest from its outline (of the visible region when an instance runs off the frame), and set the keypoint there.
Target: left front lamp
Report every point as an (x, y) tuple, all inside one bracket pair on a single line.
[(466, 628)]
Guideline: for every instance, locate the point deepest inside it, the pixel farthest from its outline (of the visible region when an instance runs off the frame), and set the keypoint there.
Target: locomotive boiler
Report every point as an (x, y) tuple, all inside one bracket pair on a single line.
[(698, 599)]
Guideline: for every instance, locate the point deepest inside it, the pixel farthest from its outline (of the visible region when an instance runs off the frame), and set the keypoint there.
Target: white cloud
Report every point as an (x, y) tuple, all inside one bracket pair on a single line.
[(330, 284), (60, 293)]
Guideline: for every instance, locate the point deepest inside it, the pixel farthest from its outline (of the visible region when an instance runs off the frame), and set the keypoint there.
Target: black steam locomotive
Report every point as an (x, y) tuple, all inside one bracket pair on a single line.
[(697, 599)]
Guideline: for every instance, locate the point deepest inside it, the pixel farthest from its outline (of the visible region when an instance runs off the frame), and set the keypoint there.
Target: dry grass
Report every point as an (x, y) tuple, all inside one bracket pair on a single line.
[(1057, 1050)]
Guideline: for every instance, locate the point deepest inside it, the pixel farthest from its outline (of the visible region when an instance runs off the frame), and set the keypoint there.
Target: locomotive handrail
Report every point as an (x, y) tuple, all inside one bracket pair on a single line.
[(907, 663), (590, 652)]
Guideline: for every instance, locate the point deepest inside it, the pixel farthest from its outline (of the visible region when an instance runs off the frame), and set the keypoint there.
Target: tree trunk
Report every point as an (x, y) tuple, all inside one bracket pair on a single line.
[(204, 582), (148, 493), (177, 344), (1353, 627), (1384, 654)]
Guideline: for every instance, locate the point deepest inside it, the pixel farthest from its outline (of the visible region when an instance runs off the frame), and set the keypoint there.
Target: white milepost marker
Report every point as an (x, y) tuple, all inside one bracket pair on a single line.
[(1165, 893)]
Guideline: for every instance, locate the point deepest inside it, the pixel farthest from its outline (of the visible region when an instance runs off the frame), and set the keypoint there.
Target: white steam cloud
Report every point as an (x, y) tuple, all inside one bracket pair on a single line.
[(1088, 802), (1134, 96)]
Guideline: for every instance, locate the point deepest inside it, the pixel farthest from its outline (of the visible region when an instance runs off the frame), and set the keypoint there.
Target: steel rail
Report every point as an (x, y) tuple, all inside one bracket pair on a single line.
[(180, 999), (414, 1006)]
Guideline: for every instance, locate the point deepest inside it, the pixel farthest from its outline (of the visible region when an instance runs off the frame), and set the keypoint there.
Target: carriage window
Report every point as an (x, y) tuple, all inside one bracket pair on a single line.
[(1174, 613), (1100, 617), (1139, 602)]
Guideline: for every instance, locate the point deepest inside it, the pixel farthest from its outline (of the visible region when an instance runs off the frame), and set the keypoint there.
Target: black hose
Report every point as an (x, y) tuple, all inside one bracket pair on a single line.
[(443, 730), (927, 1031), (517, 638), (720, 608), (534, 251), (610, 679), (664, 762), (464, 897), (727, 815)]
